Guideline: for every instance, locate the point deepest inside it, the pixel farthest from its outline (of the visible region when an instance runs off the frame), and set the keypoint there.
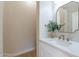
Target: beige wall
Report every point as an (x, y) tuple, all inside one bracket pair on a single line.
[(1, 28), (19, 27)]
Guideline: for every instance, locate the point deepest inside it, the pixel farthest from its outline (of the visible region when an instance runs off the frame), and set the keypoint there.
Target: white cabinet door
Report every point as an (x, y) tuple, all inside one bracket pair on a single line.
[(46, 50)]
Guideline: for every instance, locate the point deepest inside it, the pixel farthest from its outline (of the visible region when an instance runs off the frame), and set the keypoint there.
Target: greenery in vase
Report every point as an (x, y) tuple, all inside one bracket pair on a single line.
[(52, 26)]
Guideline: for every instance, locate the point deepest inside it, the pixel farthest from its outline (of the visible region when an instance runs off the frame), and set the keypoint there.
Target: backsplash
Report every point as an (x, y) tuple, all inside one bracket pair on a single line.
[(75, 36), (72, 36)]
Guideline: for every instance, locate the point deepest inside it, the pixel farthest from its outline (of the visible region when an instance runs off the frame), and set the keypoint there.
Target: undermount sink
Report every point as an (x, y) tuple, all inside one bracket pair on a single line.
[(60, 42), (63, 42)]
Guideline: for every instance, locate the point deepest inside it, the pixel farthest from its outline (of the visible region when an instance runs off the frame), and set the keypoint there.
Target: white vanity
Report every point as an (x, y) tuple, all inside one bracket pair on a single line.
[(53, 47)]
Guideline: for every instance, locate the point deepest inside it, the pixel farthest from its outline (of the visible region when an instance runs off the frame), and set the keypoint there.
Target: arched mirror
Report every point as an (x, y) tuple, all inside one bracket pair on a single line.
[(68, 16)]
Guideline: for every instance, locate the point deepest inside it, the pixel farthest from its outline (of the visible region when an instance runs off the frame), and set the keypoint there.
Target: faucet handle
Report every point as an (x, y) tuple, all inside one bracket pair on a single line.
[(67, 39), (61, 37)]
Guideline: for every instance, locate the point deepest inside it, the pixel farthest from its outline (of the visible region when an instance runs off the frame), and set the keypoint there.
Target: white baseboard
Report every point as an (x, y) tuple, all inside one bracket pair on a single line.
[(16, 54)]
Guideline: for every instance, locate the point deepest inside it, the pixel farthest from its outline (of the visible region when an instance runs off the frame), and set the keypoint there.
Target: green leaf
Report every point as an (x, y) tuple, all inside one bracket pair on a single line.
[(52, 26)]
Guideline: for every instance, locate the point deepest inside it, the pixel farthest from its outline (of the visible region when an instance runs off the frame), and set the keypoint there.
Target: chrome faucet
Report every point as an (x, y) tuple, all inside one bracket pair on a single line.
[(67, 39), (62, 37)]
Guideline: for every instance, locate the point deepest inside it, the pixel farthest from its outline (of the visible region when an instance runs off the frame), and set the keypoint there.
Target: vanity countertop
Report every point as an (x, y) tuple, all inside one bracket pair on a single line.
[(72, 49)]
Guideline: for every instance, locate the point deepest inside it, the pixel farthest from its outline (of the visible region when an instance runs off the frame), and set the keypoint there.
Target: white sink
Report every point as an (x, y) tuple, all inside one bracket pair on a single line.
[(59, 42), (63, 42)]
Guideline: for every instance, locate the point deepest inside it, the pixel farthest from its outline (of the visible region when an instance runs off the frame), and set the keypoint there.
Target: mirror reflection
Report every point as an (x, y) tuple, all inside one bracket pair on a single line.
[(68, 16)]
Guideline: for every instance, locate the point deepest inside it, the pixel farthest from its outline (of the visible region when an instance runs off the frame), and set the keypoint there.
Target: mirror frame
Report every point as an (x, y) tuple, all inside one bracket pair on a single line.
[(78, 16)]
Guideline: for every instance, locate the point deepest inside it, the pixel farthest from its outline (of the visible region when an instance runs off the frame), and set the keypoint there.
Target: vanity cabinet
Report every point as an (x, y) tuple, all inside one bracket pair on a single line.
[(46, 50)]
